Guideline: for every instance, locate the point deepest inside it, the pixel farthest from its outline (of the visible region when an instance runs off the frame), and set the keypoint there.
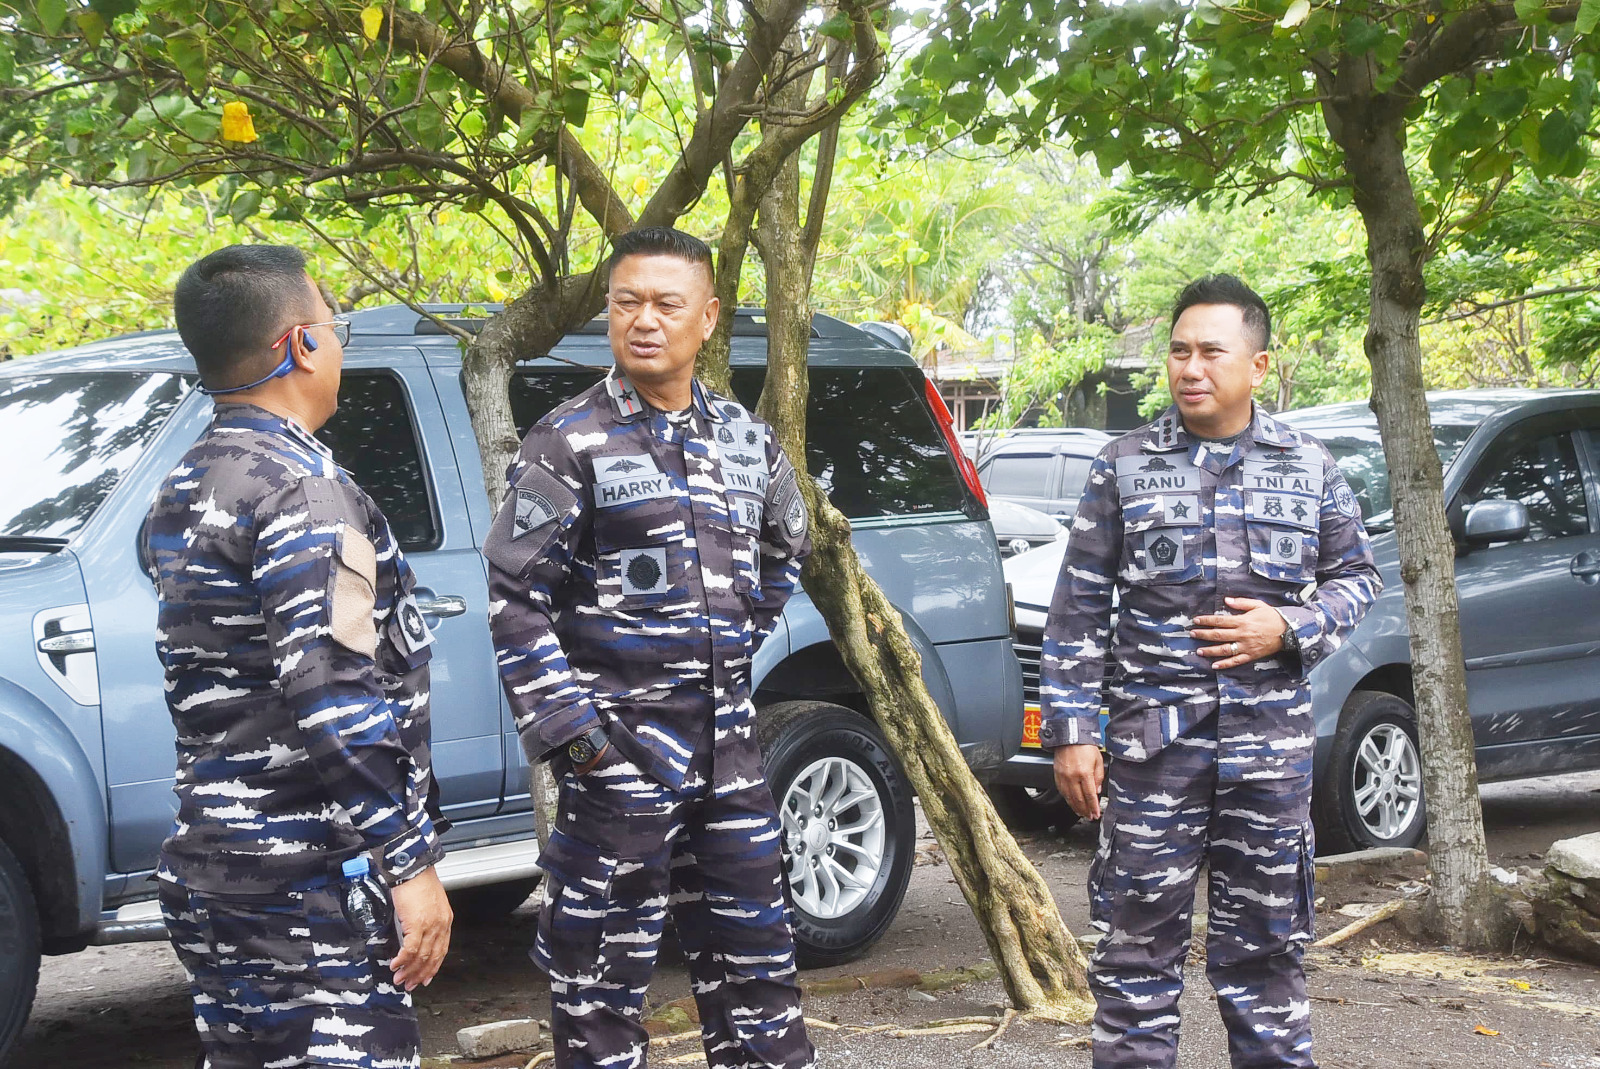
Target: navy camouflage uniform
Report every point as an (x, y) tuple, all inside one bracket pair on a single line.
[(1206, 767), (638, 561), (296, 666)]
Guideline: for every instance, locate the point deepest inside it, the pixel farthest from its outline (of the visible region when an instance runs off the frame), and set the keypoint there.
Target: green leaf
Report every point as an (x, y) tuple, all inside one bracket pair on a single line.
[(245, 205), (1588, 16), (472, 124), (189, 56), (92, 25), (1361, 36), (110, 9), (1557, 135), (52, 13), (574, 105), (837, 26), (1528, 10)]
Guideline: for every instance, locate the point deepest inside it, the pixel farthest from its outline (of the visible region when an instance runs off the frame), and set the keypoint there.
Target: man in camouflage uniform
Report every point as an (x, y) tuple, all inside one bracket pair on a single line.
[(297, 676), (649, 540), (1237, 555)]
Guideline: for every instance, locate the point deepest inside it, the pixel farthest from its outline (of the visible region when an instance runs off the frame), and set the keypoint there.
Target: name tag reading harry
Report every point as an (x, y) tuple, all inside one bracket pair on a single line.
[(622, 480)]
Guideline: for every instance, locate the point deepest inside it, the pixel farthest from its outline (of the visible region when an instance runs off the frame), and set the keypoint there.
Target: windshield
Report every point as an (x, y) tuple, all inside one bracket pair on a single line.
[(1359, 454), (66, 441)]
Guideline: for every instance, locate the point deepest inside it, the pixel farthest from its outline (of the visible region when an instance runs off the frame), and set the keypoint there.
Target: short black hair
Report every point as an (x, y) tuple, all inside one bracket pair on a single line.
[(1227, 289), (232, 304), (661, 241)]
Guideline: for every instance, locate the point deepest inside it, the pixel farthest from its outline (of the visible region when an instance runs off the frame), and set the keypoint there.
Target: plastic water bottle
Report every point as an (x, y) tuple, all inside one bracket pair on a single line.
[(369, 909)]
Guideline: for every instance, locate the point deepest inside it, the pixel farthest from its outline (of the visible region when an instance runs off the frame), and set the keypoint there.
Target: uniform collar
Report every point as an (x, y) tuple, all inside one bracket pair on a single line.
[(630, 405), (1168, 433), (242, 414)]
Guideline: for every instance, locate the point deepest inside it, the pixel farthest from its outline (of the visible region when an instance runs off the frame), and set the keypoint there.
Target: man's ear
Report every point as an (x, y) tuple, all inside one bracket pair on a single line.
[(1258, 373), (713, 310), (301, 350)]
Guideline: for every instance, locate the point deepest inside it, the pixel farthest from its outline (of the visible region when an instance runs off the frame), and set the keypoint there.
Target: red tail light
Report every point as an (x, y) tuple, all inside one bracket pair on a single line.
[(947, 427)]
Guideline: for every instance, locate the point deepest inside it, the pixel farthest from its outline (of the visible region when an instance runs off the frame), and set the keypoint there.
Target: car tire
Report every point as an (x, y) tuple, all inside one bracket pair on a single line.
[(815, 745), (490, 902), (19, 950), (1031, 808), (1372, 794)]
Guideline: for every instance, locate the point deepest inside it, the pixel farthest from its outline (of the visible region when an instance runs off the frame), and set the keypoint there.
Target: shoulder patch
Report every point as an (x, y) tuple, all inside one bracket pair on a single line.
[(1345, 499), (532, 511)]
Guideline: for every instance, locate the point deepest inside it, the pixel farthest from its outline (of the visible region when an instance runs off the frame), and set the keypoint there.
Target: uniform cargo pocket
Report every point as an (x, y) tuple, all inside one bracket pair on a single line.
[(260, 944), (572, 913)]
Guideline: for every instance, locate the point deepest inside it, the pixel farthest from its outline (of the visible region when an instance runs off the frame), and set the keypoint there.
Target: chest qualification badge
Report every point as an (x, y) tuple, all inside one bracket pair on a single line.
[(1163, 551)]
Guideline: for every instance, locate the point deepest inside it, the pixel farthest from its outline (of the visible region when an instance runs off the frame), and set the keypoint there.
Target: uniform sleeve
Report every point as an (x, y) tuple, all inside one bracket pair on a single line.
[(1078, 630), (530, 551), (1347, 578), (785, 539), (316, 573)]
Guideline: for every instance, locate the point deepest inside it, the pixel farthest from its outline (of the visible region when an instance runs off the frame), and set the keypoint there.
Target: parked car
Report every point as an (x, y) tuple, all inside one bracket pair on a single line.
[(86, 746), (1019, 528), (1522, 492), (1043, 469)]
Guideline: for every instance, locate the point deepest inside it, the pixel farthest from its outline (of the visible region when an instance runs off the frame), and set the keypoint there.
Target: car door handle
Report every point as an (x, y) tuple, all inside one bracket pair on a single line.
[(442, 605), (1586, 566)]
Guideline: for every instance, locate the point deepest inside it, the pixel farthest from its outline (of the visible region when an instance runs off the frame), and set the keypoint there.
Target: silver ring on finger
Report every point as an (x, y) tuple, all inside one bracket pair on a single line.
[(1235, 646)]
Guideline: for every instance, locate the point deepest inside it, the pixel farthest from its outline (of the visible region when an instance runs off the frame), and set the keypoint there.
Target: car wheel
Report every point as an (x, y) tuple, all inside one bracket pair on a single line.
[(1373, 791), (1031, 808), (849, 832), (490, 902), (19, 950)]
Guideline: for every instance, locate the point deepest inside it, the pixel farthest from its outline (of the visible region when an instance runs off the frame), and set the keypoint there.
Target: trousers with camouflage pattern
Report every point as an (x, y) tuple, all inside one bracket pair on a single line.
[(625, 850), (284, 981), (1165, 818)]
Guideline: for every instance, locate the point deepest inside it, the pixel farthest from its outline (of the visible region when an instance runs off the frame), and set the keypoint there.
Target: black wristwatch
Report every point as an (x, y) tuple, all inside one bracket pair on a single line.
[(586, 747), (1290, 639)]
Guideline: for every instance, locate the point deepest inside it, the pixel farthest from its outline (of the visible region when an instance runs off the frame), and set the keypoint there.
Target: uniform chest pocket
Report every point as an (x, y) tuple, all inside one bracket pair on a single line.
[(1163, 538), (641, 562), (1283, 532)]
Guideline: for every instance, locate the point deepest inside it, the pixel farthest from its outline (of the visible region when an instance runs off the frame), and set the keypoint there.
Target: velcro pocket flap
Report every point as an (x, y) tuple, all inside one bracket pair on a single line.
[(576, 865), (354, 595)]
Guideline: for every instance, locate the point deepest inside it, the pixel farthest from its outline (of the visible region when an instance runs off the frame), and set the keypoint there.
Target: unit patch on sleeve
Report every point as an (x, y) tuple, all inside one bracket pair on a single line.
[(644, 571), (533, 512)]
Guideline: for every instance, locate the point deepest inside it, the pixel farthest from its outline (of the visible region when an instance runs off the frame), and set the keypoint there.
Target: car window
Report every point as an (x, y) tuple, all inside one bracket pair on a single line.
[(535, 393), (374, 437), (1359, 453), (68, 439), (1019, 475), (1541, 472), (871, 441), (1074, 476)]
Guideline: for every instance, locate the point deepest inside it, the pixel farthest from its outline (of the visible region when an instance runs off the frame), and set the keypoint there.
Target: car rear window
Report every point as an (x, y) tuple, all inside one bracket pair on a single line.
[(871, 441), (1019, 475), (67, 441), (374, 437)]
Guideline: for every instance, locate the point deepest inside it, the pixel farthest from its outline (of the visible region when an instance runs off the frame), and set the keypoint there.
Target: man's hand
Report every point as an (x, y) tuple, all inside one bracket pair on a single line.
[(1255, 633), (1079, 774), (423, 910)]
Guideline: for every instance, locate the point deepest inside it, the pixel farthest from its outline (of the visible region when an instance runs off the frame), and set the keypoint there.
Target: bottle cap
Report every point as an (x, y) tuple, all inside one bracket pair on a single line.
[(357, 866)]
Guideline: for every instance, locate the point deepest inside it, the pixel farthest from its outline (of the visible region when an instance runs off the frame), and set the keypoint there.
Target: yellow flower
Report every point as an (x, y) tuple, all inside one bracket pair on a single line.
[(372, 21), (236, 122)]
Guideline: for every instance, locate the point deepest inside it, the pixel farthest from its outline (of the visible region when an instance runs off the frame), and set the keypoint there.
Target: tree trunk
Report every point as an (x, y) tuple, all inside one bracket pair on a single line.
[(1463, 908), (1040, 963), (530, 326)]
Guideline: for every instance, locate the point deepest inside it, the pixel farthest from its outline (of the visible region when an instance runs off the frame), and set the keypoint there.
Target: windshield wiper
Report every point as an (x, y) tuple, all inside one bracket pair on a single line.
[(14, 543)]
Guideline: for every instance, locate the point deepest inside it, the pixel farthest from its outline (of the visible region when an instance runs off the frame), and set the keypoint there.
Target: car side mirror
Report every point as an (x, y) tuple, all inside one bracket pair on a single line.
[(1496, 521)]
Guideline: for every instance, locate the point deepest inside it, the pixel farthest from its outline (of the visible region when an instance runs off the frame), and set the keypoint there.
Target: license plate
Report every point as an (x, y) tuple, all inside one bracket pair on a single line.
[(1031, 720)]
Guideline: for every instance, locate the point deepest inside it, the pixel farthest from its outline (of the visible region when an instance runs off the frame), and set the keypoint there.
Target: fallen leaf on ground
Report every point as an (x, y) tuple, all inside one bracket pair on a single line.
[(1482, 1031)]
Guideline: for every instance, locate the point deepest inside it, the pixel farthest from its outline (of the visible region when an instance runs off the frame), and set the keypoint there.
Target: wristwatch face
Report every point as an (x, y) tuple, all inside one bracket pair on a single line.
[(581, 751)]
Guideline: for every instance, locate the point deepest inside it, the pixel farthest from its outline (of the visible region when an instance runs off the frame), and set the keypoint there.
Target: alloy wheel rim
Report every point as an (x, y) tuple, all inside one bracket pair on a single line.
[(834, 837), (1386, 782)]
